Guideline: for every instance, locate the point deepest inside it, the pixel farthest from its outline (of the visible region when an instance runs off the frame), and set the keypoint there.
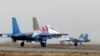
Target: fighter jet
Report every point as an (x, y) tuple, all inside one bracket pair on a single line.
[(38, 34), (82, 38)]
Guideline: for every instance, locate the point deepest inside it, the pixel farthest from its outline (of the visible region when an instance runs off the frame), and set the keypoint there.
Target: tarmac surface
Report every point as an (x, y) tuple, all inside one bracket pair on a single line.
[(14, 47), (23, 49)]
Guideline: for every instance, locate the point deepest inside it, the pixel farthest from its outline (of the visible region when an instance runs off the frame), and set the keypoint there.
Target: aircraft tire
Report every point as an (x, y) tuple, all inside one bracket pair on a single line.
[(75, 44), (22, 44), (14, 40), (43, 44)]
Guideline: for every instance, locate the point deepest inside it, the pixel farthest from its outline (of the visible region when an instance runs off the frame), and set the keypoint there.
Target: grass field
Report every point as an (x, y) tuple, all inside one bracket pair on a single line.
[(44, 54)]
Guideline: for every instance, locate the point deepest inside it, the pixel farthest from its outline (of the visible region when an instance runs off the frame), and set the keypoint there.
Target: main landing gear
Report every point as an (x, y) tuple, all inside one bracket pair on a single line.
[(43, 43), (75, 43), (22, 44)]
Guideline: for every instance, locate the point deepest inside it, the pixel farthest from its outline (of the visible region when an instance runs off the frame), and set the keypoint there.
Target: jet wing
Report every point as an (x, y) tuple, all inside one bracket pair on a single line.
[(7, 34), (53, 35), (29, 34)]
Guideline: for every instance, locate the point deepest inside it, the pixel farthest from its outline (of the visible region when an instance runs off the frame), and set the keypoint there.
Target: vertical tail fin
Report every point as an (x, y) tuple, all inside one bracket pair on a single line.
[(81, 36), (15, 26), (36, 27), (85, 37), (44, 29), (35, 24)]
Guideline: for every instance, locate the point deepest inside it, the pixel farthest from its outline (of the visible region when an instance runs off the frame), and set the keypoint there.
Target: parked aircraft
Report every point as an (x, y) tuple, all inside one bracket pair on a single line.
[(82, 38), (37, 35)]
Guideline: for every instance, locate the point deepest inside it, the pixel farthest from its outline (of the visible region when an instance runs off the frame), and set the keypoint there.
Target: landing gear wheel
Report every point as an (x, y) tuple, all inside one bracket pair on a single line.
[(22, 44), (43, 44), (14, 40), (75, 44)]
